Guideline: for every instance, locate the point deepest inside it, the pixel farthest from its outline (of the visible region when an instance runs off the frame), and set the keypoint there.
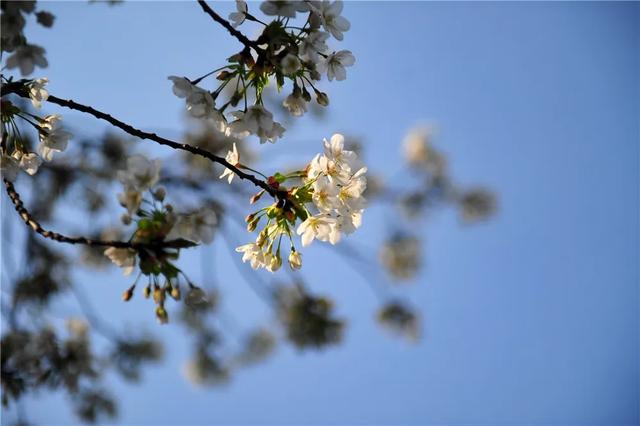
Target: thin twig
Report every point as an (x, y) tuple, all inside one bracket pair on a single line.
[(19, 89), (237, 34), (30, 221)]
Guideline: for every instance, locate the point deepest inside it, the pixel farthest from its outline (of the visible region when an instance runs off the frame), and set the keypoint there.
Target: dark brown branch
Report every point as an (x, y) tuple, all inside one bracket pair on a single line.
[(237, 34), (20, 89), (31, 222)]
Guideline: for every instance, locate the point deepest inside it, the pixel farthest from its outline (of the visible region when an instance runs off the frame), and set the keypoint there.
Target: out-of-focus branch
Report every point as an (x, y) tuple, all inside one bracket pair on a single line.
[(30, 221), (237, 34), (20, 89)]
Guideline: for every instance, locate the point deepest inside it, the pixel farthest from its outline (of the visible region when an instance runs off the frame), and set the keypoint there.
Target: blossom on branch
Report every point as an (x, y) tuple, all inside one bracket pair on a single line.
[(123, 258), (238, 17), (234, 159), (37, 92), (53, 138)]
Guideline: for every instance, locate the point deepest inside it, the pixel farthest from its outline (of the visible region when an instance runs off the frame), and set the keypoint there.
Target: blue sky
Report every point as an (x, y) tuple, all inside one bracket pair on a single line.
[(529, 318)]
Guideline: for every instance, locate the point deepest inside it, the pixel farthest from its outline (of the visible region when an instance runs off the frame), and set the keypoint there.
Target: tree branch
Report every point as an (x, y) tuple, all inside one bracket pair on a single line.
[(31, 222), (19, 89), (237, 34)]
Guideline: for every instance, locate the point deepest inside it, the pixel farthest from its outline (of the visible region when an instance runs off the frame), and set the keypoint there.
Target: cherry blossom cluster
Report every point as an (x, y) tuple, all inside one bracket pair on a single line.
[(16, 154), (328, 202), (24, 55), (284, 51), (162, 233)]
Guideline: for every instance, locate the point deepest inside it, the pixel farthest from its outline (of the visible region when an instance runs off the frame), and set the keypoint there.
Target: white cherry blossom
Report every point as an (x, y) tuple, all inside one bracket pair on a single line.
[(335, 64), (29, 162), (238, 17), (233, 158), (37, 92), (325, 194), (314, 44), (199, 226), (256, 121), (27, 57), (350, 221), (280, 8), (219, 121), (141, 173), (52, 137), (205, 224), (130, 199), (181, 86), (290, 64), (122, 257), (321, 227), (295, 105), (331, 19), (334, 150), (200, 103), (253, 253)]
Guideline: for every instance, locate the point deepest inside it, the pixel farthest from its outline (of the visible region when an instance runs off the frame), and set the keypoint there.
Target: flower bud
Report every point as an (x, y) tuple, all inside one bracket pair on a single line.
[(160, 193), (196, 296), (45, 18), (256, 197), (175, 292), (251, 226), (162, 315), (125, 219), (128, 294), (275, 262), (322, 98), (147, 292), (295, 259), (272, 181), (158, 295), (235, 58), (235, 98), (306, 95), (249, 217), (224, 75)]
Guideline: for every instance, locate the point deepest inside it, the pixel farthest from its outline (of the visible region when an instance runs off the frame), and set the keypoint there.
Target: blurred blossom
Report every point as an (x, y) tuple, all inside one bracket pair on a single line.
[(209, 138), (477, 204), (401, 255), (27, 57), (400, 319), (307, 319), (205, 369), (93, 405), (194, 315), (129, 355), (259, 345), (77, 327), (420, 154)]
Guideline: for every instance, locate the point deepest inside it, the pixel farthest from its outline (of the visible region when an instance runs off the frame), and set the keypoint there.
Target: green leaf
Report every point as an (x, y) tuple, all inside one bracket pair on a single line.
[(279, 177)]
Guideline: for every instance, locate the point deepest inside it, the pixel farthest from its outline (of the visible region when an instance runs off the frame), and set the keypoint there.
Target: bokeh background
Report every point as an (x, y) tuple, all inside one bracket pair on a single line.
[(531, 317)]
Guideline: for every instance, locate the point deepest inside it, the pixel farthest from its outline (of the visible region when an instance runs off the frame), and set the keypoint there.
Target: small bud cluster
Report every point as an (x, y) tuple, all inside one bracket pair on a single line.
[(157, 224), (328, 202)]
